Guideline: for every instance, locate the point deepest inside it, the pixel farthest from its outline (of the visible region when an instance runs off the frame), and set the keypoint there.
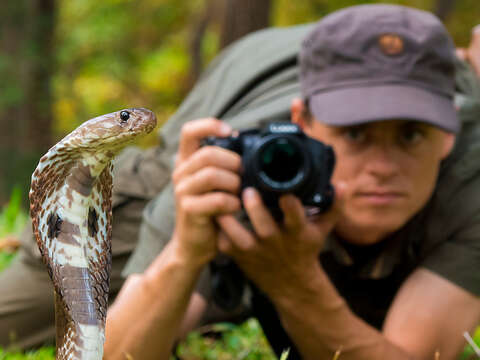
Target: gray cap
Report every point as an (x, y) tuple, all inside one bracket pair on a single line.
[(379, 62)]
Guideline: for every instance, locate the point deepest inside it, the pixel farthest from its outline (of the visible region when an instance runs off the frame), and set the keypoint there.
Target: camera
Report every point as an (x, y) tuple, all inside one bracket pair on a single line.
[(281, 159)]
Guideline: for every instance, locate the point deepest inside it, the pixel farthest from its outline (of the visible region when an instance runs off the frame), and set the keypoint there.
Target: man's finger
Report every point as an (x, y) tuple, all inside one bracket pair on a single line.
[(213, 203), (293, 213), (238, 237), (208, 179), (461, 53), (224, 244), (476, 30), (208, 156), (260, 218), (194, 131), (473, 51)]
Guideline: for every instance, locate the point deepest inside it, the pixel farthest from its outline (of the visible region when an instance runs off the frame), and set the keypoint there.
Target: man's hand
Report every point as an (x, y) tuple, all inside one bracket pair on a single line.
[(472, 53), (277, 257), (206, 182)]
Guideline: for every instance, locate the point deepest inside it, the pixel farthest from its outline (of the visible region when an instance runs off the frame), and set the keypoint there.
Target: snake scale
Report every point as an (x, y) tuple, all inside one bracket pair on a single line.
[(71, 210)]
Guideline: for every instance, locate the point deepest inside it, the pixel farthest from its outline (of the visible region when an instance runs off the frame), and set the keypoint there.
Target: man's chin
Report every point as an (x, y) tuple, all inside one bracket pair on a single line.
[(370, 227)]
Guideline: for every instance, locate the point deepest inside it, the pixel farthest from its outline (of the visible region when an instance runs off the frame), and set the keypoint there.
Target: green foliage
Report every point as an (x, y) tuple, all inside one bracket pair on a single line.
[(285, 355), (469, 352), (12, 221), (12, 216), (46, 353), (465, 16), (243, 342), (9, 88), (459, 23), (5, 260), (236, 342), (120, 53)]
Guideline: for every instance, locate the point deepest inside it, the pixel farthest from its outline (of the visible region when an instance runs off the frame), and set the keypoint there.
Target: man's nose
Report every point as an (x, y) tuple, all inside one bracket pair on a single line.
[(382, 161)]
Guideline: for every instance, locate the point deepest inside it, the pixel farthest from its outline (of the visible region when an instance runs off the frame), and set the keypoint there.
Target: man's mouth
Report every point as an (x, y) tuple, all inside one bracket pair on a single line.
[(381, 197)]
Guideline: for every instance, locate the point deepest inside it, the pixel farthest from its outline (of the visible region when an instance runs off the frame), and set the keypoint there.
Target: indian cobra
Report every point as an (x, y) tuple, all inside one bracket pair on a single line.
[(71, 210)]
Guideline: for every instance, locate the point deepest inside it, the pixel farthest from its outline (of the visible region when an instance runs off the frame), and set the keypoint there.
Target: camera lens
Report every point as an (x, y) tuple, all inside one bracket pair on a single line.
[(281, 163)]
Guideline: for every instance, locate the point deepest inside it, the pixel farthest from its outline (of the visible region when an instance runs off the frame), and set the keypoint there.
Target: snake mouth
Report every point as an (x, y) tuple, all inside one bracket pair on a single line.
[(144, 120)]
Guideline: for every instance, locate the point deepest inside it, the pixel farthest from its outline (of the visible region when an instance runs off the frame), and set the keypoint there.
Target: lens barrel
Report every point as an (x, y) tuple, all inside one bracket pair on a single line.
[(281, 163)]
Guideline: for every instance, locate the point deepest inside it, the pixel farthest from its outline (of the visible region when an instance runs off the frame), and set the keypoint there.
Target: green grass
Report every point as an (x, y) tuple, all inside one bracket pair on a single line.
[(12, 221), (231, 342), (468, 352), (222, 341), (12, 216), (5, 259), (46, 353)]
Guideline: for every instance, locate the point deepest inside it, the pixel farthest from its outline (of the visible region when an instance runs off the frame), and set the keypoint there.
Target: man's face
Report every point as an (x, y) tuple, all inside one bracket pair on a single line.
[(390, 169)]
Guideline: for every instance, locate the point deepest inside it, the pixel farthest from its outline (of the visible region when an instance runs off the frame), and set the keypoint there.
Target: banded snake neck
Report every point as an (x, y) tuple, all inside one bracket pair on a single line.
[(71, 211)]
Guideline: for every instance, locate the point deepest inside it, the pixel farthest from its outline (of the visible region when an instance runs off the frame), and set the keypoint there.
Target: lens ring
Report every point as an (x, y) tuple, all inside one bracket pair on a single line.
[(281, 163)]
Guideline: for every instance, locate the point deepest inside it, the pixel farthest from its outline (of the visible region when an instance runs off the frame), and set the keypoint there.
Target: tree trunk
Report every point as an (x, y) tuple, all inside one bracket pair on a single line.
[(242, 17), (443, 8), (26, 64), (196, 39), (236, 19)]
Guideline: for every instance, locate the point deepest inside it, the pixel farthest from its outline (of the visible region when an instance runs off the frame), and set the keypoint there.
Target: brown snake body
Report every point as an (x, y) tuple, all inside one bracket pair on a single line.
[(70, 206)]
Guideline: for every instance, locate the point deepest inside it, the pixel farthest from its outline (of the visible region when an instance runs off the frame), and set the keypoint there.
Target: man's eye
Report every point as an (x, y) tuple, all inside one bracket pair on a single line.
[(355, 134), (412, 135)]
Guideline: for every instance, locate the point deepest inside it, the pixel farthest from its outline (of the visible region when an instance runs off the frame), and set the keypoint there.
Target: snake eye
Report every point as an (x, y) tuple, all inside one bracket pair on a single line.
[(124, 115)]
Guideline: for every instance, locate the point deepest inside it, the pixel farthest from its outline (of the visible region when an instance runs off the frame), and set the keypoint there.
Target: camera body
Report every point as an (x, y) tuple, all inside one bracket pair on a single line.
[(281, 159)]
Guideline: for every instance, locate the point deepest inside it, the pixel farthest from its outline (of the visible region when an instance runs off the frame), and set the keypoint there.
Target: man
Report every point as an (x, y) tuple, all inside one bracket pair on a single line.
[(251, 83), (389, 272)]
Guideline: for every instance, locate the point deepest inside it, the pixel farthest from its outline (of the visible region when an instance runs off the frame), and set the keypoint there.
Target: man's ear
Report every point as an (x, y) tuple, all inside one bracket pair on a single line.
[(448, 143), (297, 110)]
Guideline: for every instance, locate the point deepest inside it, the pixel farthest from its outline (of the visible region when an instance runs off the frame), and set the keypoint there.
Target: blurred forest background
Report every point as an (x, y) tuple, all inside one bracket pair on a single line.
[(63, 62)]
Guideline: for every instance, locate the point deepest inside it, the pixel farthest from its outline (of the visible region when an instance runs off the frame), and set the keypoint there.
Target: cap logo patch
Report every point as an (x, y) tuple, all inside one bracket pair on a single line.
[(391, 44)]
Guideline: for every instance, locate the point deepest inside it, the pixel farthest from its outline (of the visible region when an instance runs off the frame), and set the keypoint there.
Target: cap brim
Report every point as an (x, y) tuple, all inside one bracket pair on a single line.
[(357, 105)]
